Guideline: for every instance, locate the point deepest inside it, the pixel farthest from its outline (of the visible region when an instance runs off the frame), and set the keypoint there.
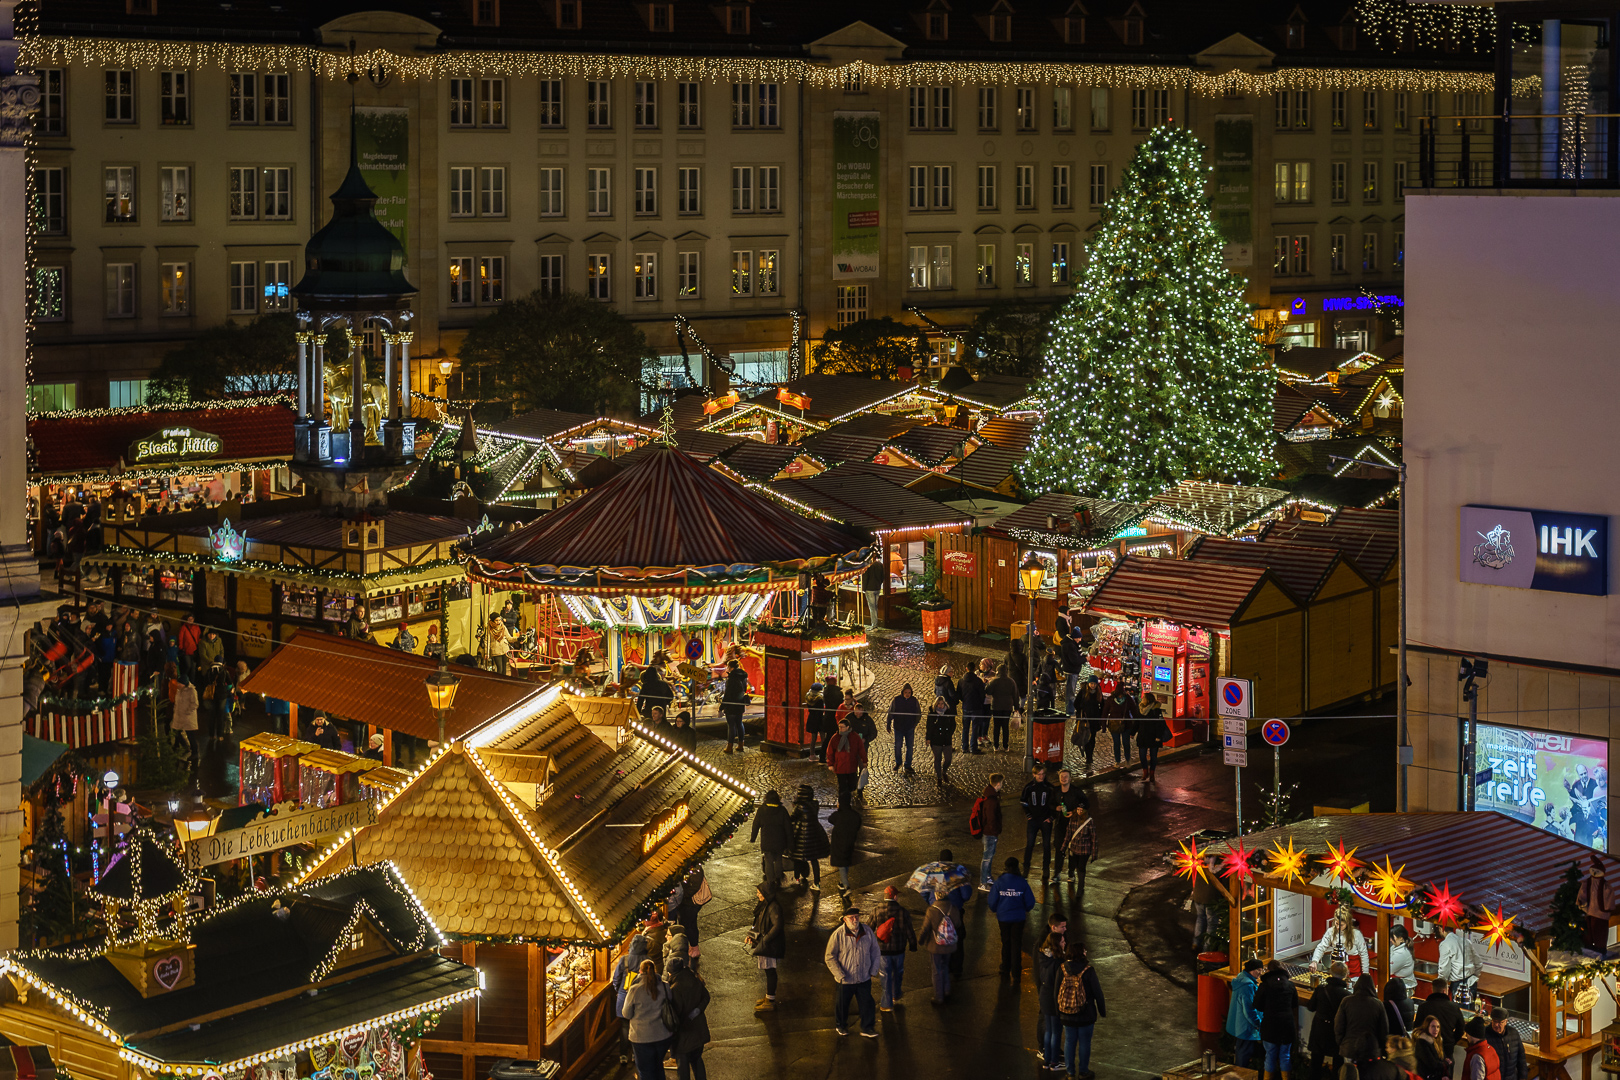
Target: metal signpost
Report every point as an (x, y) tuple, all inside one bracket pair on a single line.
[(1234, 704), (1276, 733)]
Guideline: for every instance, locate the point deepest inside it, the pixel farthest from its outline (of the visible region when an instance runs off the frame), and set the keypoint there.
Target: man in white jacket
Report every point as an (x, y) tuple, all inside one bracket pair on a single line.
[(853, 958), (1459, 965)]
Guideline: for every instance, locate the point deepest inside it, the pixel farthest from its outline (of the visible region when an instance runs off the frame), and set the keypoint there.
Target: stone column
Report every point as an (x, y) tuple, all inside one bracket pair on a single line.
[(357, 386)]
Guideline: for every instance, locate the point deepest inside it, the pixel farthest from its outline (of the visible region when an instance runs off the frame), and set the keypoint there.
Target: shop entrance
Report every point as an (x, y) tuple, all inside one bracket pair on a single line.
[(1001, 579)]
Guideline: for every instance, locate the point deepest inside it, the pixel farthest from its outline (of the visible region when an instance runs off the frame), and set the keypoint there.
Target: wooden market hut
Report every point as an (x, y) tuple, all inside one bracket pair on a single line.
[(1466, 853), (537, 846)]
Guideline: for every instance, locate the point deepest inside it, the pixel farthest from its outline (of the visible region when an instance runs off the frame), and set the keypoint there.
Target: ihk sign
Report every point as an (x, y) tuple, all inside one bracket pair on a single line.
[(1535, 549)]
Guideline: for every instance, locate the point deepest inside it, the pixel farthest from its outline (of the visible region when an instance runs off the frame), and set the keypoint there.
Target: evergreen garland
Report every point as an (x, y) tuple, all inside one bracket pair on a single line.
[(1154, 374)]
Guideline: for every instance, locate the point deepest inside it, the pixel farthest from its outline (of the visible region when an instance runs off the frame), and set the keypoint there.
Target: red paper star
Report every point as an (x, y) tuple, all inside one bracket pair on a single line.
[(1236, 862), (1341, 864), (1445, 905), (1497, 930)]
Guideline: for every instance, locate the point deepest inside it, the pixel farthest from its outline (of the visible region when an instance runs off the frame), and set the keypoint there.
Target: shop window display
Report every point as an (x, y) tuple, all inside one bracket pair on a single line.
[(298, 603), (174, 587), (569, 973), (906, 565)]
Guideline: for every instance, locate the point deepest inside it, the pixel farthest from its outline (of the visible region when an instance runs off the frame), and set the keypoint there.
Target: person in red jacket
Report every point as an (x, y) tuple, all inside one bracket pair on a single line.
[(846, 755)]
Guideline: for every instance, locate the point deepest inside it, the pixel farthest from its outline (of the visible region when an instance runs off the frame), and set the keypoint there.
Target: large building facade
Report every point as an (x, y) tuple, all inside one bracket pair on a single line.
[(680, 159)]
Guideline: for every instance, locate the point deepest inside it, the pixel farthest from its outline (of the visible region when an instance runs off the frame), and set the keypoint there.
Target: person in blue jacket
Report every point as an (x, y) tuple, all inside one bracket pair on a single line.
[(1242, 1021), (1011, 898)]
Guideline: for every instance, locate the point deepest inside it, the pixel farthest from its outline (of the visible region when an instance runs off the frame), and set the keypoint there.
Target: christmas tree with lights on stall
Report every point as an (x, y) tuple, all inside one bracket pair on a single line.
[(1153, 372)]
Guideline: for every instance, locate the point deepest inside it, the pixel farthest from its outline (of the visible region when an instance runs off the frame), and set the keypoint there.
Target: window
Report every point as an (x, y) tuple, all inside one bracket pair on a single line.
[(1099, 108), (929, 108), (568, 14), (52, 117), (125, 393), (492, 191), (917, 187), (853, 83), (243, 290), (1400, 111), (53, 397), (1338, 110), (987, 187), (646, 104), (1336, 253), (598, 281), (1060, 264), (491, 102), (988, 121), (737, 19), (1369, 110), (48, 198), (661, 18), (1369, 181), (747, 196), (1024, 187), (275, 193), (244, 107), (486, 13), (1133, 31), (1060, 187), (1400, 251), (276, 107), (1099, 185), (942, 266), (646, 191), (461, 191), (851, 304), (1062, 108), (940, 186), (551, 275), (597, 201), (689, 190), (1347, 37), (742, 273), (598, 112), (1000, 26), (120, 290), (491, 279), (120, 92), (938, 26), (1400, 181), (1073, 29), (987, 266), (461, 282), (174, 97), (49, 294), (1300, 256), (1295, 37), (244, 194), (1293, 108), (1139, 109), (754, 105), (551, 192), (917, 267), (1338, 181), (688, 266), (1369, 252), (688, 105), (461, 103), (1024, 97), (1293, 181), (551, 103), (765, 272), (1279, 255), (765, 112), (174, 280), (742, 105), (119, 182), (277, 289), (1024, 265)]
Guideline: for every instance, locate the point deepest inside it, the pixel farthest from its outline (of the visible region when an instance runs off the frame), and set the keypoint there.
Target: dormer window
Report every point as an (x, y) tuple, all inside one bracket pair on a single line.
[(1347, 37), (661, 18), (140, 7), (939, 26), (1073, 30), (1133, 29), (1000, 26), (1295, 36), (736, 18), (568, 14), (486, 12)]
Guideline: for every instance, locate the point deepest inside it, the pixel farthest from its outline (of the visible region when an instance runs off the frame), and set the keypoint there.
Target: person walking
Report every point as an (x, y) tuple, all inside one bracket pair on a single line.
[(986, 818), (1082, 845), (1277, 1002), (1036, 798), (1120, 716), (1080, 1003), (693, 894), (972, 691), (1048, 1028), (904, 715), (1324, 1006), (690, 997), (1088, 708), (1010, 900), (1074, 662), (1509, 1047), (807, 840), (945, 690), (854, 958), (1151, 733), (1242, 1021), (625, 973), (846, 830), (1066, 799), (895, 936), (733, 700), (1440, 1006), (1361, 1025), (644, 1008), (872, 579), (1003, 693), (940, 731), (767, 941), (846, 756), (772, 831), (941, 935)]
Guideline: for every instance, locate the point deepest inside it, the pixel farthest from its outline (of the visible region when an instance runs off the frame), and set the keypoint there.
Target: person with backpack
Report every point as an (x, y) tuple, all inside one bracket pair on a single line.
[(895, 935), (1082, 845), (846, 830), (689, 1002), (941, 936), (904, 715), (1036, 799), (1277, 1001), (945, 690), (1324, 1007), (1048, 1028), (1010, 900), (984, 821), (853, 958), (1079, 1003), (939, 731), (625, 973), (644, 1009), (1067, 797), (767, 941), (772, 830), (807, 840)]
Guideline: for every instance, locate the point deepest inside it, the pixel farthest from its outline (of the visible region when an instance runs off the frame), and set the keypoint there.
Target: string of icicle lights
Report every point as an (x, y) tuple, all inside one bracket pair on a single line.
[(337, 65)]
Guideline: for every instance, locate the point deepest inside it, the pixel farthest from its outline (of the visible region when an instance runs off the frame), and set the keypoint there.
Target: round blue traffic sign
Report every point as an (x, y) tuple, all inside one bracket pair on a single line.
[(1274, 732), (1233, 693)]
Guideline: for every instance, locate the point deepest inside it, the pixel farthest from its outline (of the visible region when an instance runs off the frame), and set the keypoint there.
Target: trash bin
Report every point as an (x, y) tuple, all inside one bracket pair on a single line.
[(1214, 993), (523, 1069), (1048, 726), (936, 622)]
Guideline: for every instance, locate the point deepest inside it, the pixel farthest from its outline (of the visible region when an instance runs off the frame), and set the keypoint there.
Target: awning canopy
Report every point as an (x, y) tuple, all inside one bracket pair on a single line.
[(72, 446)]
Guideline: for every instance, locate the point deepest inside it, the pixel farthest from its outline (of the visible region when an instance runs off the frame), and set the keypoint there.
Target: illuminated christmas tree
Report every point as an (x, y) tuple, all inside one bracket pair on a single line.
[(1153, 373)]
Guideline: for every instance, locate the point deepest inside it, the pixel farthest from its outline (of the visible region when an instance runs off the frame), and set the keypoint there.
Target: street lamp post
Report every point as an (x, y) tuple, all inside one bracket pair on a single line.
[(1031, 572), (441, 688)]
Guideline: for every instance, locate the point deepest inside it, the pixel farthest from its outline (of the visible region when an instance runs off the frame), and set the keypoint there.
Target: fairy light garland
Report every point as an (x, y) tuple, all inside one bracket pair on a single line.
[(181, 559), (258, 401), (692, 759), (1395, 24)]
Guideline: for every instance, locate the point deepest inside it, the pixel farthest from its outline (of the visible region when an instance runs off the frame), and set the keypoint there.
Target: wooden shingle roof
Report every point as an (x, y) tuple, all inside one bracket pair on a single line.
[(1200, 593), (1302, 570)]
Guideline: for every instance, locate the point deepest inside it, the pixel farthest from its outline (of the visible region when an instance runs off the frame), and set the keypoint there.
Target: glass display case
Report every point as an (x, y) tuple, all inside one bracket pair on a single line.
[(267, 764), (569, 973), (330, 777)]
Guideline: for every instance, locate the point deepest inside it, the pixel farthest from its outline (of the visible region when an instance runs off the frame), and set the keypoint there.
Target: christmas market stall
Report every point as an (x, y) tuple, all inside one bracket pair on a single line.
[(814, 403), (537, 456), (338, 977), (1493, 901), (537, 843)]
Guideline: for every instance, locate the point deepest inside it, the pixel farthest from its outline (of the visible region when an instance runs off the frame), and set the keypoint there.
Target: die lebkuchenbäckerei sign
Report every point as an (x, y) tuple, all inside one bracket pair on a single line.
[(279, 831), (665, 825), (175, 444), (1535, 549)]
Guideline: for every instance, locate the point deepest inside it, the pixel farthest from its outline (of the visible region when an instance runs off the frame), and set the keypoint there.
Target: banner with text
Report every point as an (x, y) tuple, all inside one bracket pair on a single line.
[(1234, 187), (279, 831), (383, 143), (855, 203)]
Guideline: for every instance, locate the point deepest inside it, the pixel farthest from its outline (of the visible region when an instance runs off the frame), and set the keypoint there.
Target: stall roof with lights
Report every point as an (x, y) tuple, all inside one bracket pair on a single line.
[(1108, 520), (863, 498), (96, 443), (1199, 593)]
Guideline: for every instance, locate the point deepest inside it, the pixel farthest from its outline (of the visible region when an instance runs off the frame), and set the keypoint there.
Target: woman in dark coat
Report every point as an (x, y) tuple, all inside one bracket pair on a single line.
[(1395, 1004), (654, 691), (768, 940), (1324, 1007), (1277, 1002), (690, 998), (807, 840), (846, 829), (817, 720), (684, 734), (1151, 733)]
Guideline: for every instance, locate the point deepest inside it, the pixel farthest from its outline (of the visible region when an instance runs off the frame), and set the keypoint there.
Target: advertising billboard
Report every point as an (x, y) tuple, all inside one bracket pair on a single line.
[(1535, 549), (1554, 781), (855, 202)]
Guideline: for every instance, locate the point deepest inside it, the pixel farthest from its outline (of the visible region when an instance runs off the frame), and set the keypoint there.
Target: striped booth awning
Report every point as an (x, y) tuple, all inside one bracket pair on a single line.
[(82, 729)]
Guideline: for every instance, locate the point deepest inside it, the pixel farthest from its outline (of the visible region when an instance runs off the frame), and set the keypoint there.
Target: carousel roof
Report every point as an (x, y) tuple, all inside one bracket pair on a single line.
[(665, 522)]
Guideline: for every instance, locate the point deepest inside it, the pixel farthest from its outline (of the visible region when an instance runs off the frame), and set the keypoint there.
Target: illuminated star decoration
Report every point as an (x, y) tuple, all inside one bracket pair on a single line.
[(1236, 862), (1387, 883), (1286, 864), (1341, 864), (1190, 862), (1497, 929), (1444, 905)]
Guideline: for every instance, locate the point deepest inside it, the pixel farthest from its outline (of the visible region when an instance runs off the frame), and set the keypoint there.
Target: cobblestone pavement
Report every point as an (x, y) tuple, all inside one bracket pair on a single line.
[(895, 659)]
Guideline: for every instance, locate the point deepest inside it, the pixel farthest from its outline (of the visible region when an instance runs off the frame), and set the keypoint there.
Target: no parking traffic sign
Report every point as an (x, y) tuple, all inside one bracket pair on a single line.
[(1274, 732), (1233, 697)]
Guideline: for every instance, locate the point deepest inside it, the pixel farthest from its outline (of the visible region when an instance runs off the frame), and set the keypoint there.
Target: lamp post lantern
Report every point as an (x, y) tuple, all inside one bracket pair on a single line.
[(441, 688), (1031, 572)]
